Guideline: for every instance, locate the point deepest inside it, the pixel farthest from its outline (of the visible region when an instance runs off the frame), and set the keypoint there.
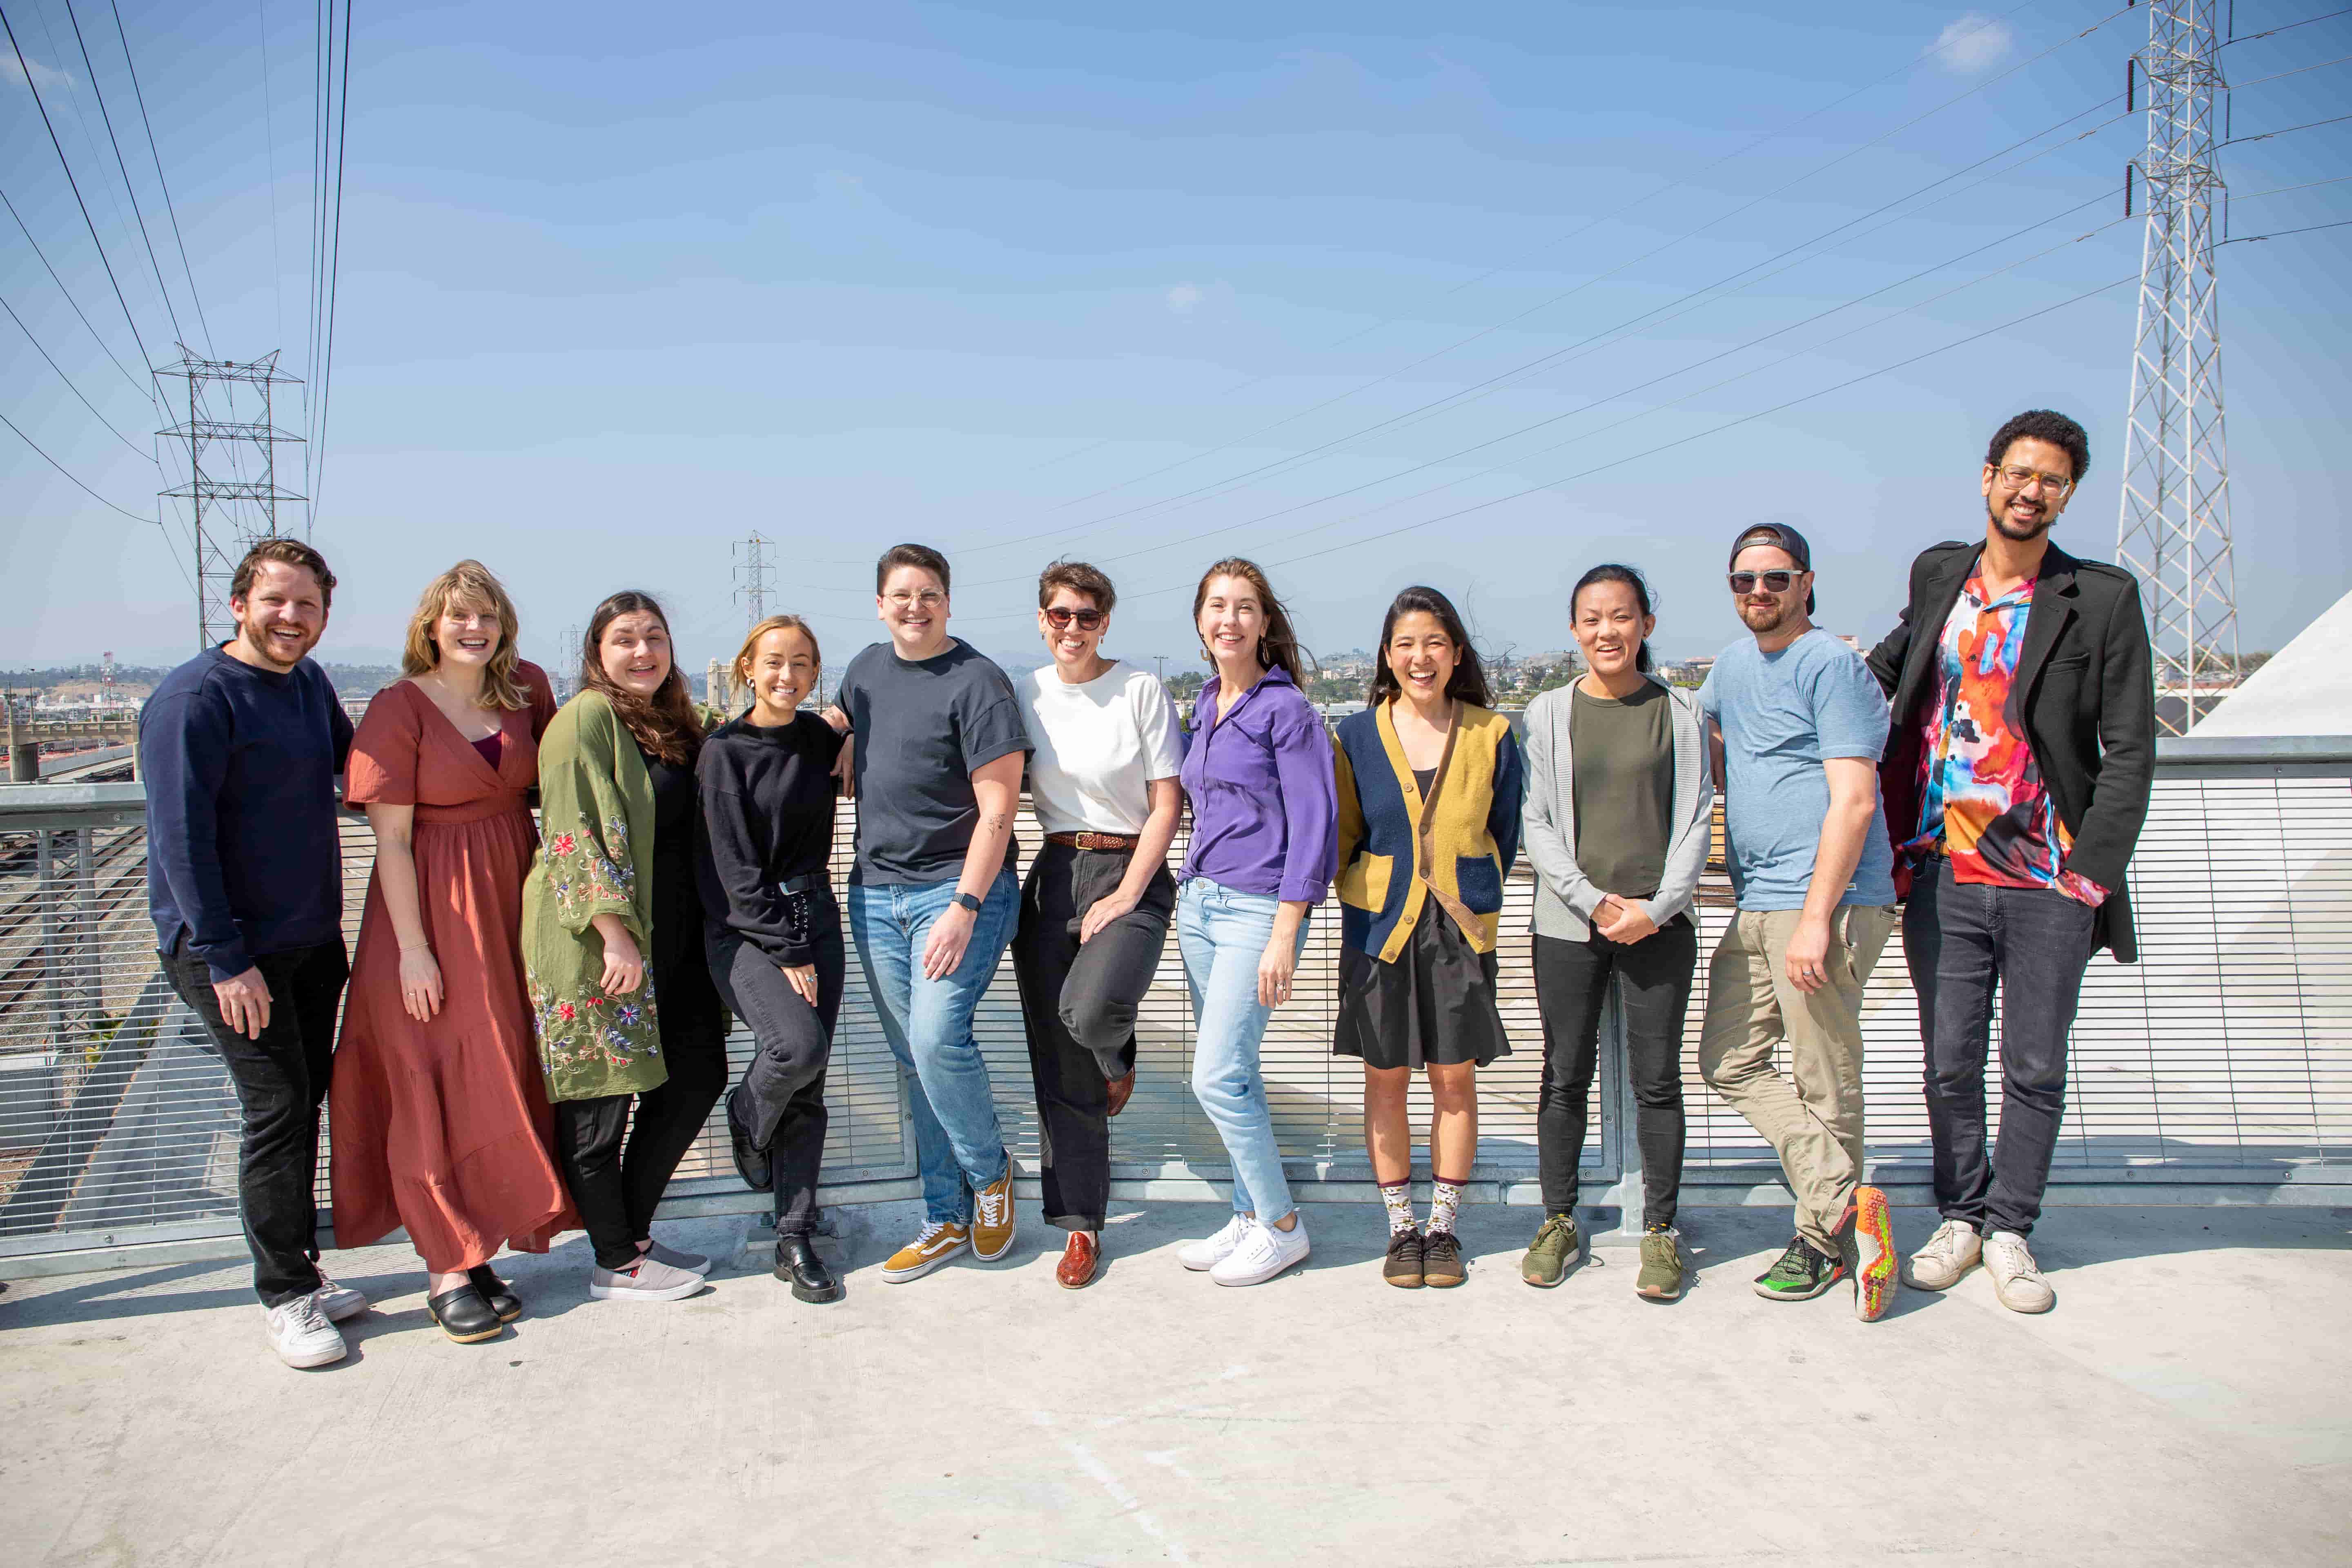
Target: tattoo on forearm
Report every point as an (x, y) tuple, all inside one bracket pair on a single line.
[(998, 822)]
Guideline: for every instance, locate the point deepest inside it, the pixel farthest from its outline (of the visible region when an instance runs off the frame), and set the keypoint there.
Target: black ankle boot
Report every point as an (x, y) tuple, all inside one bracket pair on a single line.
[(496, 1292), (752, 1161), (798, 1266), (462, 1315)]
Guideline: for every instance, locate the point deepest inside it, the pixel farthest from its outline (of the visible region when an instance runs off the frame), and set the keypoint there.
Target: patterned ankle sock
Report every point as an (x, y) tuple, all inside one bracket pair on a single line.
[(1443, 1204), (1398, 1196)]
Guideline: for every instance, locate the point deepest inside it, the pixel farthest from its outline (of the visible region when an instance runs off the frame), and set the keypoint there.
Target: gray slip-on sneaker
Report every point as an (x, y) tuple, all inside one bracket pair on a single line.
[(650, 1280)]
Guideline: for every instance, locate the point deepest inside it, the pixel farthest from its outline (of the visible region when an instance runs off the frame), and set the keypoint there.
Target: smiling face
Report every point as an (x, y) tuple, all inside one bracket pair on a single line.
[(1062, 623), (281, 616), (1609, 627), (1421, 656), (467, 634), (2025, 511), (1761, 608), (913, 604), (1232, 620), (782, 668), (635, 652)]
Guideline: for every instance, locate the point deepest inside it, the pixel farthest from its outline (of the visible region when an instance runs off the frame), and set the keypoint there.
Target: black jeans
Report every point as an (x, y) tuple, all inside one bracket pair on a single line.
[(281, 1081), (1571, 987), (1080, 1003), (1961, 939), (780, 1101), (614, 1188)]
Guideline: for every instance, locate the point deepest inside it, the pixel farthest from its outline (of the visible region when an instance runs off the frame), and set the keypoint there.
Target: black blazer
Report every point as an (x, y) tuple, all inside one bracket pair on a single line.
[(2085, 693)]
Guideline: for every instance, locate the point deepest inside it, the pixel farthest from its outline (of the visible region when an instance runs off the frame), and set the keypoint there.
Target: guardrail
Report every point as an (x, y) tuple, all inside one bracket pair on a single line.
[(2219, 1069)]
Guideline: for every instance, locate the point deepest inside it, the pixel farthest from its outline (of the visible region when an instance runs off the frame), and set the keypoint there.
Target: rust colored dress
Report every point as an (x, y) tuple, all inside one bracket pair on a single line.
[(444, 1127)]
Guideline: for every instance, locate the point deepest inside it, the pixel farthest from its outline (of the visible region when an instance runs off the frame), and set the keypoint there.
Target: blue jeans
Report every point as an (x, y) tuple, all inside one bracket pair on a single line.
[(1222, 934), (958, 1147)]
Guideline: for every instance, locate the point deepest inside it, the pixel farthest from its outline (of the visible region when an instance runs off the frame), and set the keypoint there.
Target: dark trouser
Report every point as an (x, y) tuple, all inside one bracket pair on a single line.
[(1571, 986), (781, 1103), (616, 1188), (282, 1080), (1080, 1003), (1961, 939)]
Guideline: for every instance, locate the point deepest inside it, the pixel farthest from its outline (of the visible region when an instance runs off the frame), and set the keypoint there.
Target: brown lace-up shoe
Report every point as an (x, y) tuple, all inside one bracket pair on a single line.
[(1440, 1260), (1402, 1268)]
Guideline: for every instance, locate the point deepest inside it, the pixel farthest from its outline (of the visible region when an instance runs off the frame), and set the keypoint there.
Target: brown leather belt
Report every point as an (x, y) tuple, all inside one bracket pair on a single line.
[(1095, 840)]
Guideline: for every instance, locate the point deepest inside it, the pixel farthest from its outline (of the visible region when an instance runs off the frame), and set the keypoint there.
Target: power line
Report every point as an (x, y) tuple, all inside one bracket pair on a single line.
[(2277, 190), (128, 189), (2282, 234), (2287, 27), (334, 269), (169, 211), (146, 392), (76, 391), (2268, 134), (269, 148), (2297, 71), (144, 358), (69, 473)]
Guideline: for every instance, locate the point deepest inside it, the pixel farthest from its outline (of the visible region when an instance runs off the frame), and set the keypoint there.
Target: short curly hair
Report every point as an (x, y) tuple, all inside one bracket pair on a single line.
[(2044, 424)]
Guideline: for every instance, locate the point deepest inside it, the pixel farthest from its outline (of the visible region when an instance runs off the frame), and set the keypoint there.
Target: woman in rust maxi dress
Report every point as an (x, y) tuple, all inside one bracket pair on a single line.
[(439, 1112)]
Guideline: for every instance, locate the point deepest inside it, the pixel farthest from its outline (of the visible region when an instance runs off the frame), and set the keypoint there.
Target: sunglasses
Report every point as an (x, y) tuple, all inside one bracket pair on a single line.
[(1774, 582), (1060, 619)]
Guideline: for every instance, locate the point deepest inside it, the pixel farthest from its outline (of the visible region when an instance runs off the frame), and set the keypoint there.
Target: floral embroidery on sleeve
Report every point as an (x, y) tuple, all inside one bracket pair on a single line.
[(587, 881)]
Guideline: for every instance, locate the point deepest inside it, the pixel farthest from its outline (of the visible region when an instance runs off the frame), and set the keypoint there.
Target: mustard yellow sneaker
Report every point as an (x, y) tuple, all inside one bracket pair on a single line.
[(991, 1227), (935, 1244)]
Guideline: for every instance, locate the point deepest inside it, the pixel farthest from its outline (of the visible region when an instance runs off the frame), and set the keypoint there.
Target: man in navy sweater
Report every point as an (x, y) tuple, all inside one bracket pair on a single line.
[(239, 748)]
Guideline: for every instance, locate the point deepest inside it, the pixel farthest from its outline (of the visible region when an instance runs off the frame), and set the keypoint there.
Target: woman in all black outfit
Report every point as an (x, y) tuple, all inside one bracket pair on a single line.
[(774, 931)]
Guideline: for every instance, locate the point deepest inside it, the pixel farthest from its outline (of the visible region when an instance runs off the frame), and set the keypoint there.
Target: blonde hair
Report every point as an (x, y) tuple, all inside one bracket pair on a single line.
[(471, 585), (741, 667)]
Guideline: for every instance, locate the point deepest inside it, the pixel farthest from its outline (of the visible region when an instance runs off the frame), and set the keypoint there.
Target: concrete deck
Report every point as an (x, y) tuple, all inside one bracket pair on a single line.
[(2191, 1400)]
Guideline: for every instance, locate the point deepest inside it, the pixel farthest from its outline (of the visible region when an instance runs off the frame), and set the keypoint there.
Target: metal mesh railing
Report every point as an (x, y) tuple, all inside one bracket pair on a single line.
[(2224, 1057)]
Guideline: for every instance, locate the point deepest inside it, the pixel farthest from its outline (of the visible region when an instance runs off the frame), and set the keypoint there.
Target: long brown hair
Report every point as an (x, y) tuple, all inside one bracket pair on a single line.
[(1468, 682), (665, 724), (469, 585), (1277, 648)]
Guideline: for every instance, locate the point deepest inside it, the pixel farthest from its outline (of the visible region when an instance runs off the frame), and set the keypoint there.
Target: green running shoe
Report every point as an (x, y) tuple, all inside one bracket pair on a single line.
[(1661, 1265), (1553, 1249), (1800, 1274)]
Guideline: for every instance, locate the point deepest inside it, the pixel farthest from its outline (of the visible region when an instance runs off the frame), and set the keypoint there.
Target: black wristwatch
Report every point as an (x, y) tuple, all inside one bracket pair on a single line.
[(966, 901)]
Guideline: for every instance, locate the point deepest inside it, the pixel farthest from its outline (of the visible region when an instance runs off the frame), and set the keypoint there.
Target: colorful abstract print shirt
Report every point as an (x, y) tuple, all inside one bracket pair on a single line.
[(1982, 801)]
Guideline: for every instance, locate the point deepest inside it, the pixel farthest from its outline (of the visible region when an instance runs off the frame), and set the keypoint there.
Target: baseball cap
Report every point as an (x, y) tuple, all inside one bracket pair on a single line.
[(1783, 537)]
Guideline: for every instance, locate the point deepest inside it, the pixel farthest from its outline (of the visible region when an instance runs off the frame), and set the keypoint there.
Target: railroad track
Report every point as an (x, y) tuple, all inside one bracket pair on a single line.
[(119, 877)]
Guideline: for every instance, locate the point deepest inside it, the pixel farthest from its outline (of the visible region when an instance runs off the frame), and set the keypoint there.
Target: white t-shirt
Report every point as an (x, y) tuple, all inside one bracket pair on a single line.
[(1099, 746)]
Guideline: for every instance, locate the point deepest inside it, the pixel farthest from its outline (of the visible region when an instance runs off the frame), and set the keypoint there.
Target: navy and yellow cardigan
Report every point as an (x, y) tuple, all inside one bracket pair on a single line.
[(1398, 851)]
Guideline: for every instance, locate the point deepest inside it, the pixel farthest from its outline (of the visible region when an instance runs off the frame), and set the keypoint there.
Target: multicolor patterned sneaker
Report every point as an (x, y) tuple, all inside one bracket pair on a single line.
[(1866, 1248), (1800, 1273)]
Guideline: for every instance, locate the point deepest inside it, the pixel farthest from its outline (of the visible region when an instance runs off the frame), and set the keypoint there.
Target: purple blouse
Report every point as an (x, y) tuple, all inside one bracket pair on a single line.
[(1265, 802)]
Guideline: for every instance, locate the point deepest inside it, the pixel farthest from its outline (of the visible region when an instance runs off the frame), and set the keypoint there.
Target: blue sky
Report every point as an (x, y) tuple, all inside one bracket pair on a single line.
[(1036, 282)]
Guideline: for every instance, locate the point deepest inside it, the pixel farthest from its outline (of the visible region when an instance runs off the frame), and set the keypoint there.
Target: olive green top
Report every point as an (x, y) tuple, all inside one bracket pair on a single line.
[(1625, 788)]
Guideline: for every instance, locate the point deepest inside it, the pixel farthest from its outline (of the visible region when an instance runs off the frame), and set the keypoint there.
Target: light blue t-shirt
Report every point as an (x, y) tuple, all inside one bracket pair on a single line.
[(1782, 714)]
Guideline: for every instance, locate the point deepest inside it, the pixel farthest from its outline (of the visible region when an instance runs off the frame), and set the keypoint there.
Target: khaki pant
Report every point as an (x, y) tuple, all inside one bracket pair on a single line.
[(1811, 1116)]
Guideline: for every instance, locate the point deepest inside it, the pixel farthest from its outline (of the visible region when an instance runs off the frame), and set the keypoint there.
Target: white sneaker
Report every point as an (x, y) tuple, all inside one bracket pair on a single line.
[(338, 1302), (1207, 1254), (691, 1262), (1952, 1251), (2016, 1278), (650, 1280), (302, 1335), (1264, 1253)]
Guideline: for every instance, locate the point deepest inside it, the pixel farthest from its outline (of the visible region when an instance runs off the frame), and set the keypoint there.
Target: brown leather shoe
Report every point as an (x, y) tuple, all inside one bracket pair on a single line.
[(1121, 1088), (1076, 1268)]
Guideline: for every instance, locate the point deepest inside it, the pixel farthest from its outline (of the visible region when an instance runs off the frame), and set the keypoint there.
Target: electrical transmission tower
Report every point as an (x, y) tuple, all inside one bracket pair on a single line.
[(752, 575), (2174, 535), (230, 513)]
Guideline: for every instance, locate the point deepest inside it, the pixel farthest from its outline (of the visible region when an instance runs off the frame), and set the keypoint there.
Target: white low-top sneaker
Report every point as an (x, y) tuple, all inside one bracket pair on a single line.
[(338, 1302), (302, 1335), (2016, 1278), (1952, 1251), (1264, 1253), (650, 1280), (1213, 1250)]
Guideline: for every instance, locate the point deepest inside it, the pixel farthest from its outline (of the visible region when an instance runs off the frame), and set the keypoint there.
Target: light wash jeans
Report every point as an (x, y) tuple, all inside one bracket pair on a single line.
[(958, 1147), (1222, 934)]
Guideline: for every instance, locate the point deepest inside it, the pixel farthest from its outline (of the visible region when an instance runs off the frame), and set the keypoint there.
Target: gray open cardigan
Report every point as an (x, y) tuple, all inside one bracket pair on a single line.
[(1565, 895)]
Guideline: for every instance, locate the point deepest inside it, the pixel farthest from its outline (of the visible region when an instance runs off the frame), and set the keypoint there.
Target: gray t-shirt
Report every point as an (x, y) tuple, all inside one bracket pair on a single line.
[(922, 727), (1782, 715)]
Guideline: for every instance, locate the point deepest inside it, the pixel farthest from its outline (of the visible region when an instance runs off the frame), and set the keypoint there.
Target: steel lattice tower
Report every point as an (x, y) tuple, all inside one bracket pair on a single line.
[(222, 533), (751, 573), (2174, 535)]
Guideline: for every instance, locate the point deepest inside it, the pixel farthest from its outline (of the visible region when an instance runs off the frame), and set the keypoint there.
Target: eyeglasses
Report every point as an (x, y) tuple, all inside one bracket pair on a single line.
[(1060, 619), (929, 599), (2016, 478), (1774, 582)]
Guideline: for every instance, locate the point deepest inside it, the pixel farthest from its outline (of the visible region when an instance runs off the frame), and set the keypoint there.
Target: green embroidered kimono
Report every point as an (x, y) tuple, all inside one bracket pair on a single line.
[(596, 803)]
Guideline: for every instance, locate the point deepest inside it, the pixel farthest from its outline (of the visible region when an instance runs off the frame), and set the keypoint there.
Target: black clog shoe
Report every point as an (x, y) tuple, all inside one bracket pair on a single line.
[(497, 1292), (464, 1316)]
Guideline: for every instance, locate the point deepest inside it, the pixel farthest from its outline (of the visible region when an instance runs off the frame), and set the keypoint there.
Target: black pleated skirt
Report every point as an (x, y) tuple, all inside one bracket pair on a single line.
[(1436, 1004)]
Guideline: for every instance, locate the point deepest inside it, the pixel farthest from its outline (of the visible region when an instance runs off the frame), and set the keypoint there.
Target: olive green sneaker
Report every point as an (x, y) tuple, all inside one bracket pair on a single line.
[(1553, 1249), (1661, 1265)]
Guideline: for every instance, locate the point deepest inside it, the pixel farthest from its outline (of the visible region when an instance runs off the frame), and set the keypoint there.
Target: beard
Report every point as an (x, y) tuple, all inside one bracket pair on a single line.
[(2011, 531), (1766, 619)]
